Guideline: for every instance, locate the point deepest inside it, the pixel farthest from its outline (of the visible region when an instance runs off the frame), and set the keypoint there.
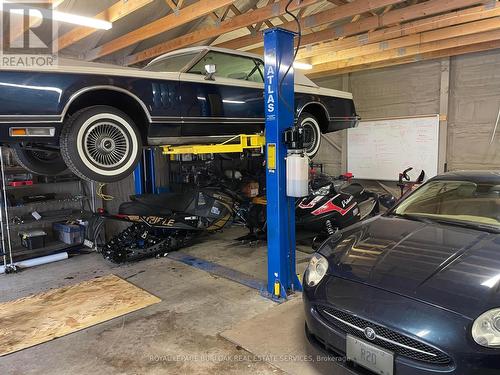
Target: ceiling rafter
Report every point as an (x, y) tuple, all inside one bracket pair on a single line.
[(409, 28), (478, 47), (328, 16), (114, 13), (169, 22), (175, 5), (428, 24), (412, 51), (235, 23), (409, 40), (394, 17), (237, 12)]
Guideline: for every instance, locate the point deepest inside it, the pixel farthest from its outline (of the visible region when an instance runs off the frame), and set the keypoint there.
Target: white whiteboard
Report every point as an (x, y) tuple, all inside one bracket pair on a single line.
[(381, 149)]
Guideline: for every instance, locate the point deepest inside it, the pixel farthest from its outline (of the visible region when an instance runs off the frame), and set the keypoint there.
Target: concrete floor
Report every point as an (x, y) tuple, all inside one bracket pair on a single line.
[(180, 335)]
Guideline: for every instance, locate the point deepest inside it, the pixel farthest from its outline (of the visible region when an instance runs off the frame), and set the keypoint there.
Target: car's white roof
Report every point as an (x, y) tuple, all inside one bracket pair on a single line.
[(206, 48), (300, 79)]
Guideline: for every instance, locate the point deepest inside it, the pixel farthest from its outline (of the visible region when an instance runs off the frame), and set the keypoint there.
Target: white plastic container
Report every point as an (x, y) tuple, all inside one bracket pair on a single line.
[(297, 175)]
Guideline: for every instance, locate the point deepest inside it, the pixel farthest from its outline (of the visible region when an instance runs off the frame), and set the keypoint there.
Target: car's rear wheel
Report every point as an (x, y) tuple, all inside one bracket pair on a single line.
[(101, 144), (39, 160), (312, 133)]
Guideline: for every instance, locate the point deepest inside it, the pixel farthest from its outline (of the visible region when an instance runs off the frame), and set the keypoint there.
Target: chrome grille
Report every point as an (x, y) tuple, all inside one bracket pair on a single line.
[(386, 338)]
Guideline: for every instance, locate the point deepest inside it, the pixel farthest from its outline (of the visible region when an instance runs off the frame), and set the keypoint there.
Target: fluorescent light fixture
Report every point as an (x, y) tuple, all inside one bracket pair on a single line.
[(302, 66), (62, 17), (80, 20)]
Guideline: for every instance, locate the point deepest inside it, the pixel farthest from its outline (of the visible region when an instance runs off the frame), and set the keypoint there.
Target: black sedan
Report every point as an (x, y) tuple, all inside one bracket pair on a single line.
[(416, 290), (96, 119)]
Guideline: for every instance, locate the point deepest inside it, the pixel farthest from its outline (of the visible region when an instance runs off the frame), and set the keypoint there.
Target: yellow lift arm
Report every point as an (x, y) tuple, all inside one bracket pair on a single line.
[(237, 144)]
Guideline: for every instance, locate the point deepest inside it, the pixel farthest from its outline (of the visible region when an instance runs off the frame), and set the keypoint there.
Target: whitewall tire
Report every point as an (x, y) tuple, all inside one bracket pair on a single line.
[(313, 133), (101, 144)]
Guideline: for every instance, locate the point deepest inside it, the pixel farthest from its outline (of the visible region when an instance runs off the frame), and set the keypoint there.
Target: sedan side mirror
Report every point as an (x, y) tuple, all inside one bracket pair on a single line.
[(210, 70)]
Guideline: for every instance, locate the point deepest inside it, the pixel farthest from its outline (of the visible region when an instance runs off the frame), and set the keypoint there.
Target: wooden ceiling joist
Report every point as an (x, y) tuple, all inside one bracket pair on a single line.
[(235, 23), (330, 43), (114, 13), (409, 28), (328, 16), (169, 22), (462, 50), (57, 3), (410, 40), (412, 51)]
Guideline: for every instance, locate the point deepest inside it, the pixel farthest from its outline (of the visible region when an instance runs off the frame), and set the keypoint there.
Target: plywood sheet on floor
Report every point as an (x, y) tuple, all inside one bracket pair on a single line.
[(39, 318), (278, 337)]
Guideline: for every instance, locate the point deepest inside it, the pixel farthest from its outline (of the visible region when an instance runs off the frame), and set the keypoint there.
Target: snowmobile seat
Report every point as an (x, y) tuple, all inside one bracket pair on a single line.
[(355, 190), (137, 208), (157, 204)]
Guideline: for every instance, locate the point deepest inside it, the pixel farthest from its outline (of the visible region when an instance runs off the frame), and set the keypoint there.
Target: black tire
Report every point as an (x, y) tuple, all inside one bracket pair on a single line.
[(313, 130), (101, 143), (45, 163)]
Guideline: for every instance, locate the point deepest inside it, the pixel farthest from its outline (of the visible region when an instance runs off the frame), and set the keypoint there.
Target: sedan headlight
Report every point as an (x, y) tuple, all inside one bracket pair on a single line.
[(318, 265), (486, 329)]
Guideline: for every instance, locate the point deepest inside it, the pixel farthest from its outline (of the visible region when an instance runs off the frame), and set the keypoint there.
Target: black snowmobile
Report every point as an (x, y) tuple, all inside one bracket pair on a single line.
[(168, 222), (333, 204)]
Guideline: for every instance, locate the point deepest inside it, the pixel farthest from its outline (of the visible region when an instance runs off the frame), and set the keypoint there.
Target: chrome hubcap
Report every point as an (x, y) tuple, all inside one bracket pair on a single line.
[(106, 145)]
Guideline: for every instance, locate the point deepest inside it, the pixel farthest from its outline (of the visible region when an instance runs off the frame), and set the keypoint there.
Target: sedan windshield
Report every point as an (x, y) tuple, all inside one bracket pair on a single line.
[(454, 202)]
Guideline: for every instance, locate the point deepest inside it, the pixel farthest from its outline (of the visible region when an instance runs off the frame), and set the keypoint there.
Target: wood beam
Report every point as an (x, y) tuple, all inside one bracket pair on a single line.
[(237, 12), (338, 2), (413, 51), (175, 6), (218, 20), (114, 13), (57, 3), (169, 22), (462, 50), (409, 28), (232, 24), (318, 19), (171, 5), (410, 40)]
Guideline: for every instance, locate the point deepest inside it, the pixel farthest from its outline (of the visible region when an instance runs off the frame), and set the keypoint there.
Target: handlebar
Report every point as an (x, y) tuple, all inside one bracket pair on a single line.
[(405, 175)]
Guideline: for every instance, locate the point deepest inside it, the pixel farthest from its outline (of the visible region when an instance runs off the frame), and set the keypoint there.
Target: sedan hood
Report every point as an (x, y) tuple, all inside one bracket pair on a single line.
[(455, 268)]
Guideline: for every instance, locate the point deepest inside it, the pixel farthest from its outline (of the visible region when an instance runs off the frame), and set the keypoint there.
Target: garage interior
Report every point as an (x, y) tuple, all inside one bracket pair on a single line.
[(207, 306)]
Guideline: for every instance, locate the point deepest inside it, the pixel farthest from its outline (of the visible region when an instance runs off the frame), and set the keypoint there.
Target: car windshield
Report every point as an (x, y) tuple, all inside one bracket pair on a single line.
[(231, 66), (454, 202), (173, 63)]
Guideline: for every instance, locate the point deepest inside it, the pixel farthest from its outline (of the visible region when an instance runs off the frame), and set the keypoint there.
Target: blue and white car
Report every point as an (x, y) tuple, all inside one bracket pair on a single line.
[(95, 119)]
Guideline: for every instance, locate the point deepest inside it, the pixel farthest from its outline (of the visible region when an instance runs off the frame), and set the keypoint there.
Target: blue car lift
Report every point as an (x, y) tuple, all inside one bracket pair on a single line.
[(280, 103), (282, 278)]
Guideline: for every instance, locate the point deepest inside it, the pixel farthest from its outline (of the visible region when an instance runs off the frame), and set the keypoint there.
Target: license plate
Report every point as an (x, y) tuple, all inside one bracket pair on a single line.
[(372, 357)]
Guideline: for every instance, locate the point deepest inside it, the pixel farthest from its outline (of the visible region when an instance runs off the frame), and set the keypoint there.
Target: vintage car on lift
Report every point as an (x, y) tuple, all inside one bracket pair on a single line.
[(417, 290), (96, 118)]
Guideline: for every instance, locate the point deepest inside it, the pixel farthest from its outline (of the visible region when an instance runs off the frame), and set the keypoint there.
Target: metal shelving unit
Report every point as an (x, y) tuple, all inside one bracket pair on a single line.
[(18, 217)]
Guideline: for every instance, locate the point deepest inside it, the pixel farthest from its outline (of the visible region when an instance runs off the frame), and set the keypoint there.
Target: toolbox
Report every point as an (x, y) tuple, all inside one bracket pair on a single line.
[(34, 239), (71, 234)]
